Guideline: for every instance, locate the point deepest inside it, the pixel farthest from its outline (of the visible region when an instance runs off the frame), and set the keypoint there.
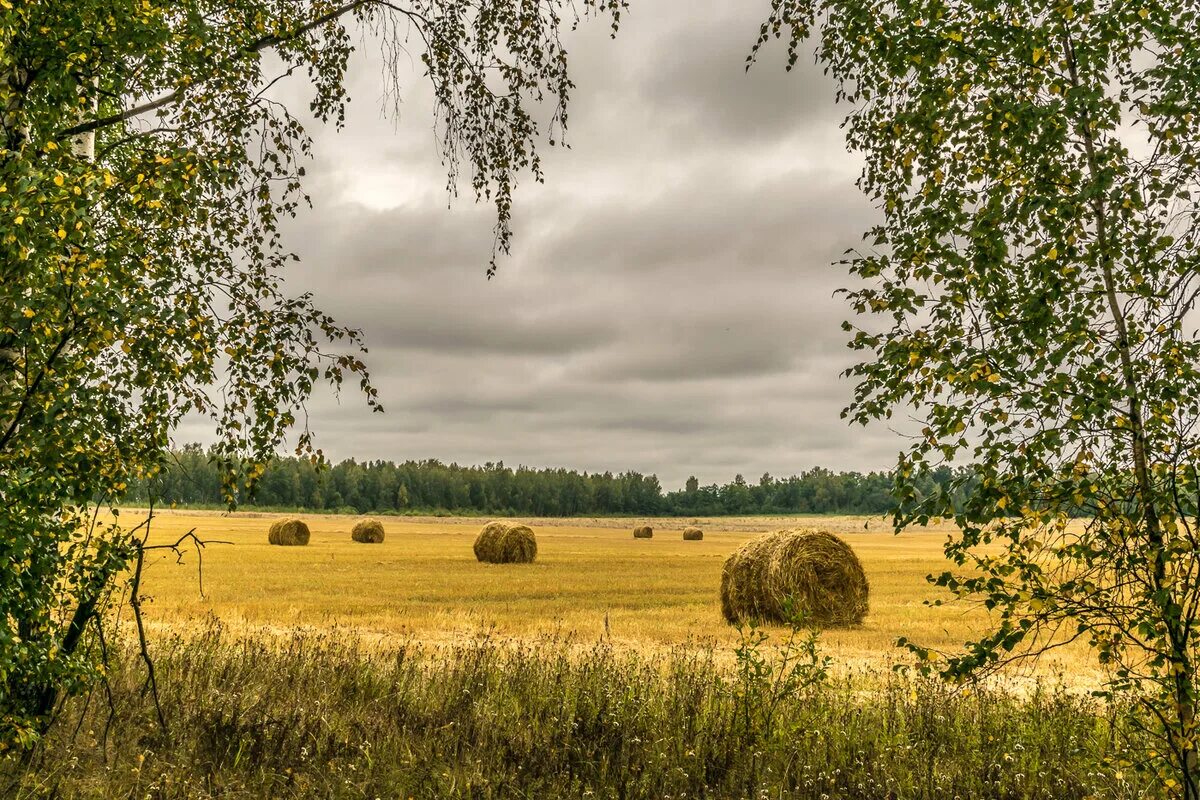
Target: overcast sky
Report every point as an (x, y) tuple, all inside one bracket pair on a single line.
[(668, 305)]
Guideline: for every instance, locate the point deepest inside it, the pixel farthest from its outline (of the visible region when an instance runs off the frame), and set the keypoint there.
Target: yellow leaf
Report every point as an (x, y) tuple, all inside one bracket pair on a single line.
[(1038, 54), (1053, 254), (58, 180), (1001, 503)]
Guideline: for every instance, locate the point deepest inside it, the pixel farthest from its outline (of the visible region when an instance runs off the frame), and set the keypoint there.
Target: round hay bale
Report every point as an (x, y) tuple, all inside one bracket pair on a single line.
[(818, 571), (692, 534), (518, 545), (502, 543), (643, 532), (368, 531), (488, 539), (288, 532)]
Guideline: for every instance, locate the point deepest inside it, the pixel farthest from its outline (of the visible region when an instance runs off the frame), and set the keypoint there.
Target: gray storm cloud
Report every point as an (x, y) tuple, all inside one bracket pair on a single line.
[(669, 302)]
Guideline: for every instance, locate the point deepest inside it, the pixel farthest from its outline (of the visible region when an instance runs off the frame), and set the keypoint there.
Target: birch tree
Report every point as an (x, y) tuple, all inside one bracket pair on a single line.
[(145, 167), (1028, 296)]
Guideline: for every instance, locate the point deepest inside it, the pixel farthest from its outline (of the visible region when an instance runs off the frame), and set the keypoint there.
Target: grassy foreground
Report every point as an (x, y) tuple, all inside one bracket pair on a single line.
[(315, 717)]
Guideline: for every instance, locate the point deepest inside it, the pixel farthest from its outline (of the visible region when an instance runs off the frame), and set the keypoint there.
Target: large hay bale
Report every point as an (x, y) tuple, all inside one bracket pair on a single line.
[(817, 570), (502, 543), (518, 545), (368, 531), (692, 534), (643, 532), (290, 532), (486, 543)]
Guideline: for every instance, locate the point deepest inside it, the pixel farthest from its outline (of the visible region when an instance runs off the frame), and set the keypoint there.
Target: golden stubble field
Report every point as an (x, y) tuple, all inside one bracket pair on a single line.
[(591, 578)]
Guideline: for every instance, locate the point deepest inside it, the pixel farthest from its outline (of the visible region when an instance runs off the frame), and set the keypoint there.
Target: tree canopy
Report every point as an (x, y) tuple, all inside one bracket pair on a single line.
[(145, 166), (1029, 296), (192, 477)]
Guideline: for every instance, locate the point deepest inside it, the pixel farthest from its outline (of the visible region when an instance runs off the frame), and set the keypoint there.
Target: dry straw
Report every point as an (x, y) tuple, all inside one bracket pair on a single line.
[(643, 532), (288, 532), (502, 543), (487, 540), (815, 570), (368, 531), (692, 534)]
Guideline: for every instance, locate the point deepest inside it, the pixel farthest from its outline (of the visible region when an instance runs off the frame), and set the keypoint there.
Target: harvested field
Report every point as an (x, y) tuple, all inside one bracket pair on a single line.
[(590, 576)]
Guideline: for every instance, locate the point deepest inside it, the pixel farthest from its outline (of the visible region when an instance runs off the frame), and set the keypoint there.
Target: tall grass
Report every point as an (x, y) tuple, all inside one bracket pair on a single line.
[(311, 716)]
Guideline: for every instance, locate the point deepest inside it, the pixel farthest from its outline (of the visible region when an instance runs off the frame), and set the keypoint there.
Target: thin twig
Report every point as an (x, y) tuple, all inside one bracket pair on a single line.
[(112, 705), (176, 548), (135, 601)]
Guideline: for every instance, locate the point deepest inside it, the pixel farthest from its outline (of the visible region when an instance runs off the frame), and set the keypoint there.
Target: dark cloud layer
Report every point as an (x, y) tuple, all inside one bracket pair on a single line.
[(669, 303)]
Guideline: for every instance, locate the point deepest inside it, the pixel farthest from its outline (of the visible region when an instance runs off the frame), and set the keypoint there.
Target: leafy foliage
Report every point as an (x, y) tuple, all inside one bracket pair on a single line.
[(144, 169), (1030, 292), (767, 681)]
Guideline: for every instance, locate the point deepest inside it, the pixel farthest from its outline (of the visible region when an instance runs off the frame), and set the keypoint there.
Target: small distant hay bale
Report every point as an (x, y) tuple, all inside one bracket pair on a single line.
[(692, 534), (643, 532), (818, 571), (288, 532), (368, 531), (502, 543)]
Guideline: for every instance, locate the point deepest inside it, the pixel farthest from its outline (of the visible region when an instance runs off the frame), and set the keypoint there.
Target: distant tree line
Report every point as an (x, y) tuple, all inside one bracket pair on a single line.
[(193, 478)]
